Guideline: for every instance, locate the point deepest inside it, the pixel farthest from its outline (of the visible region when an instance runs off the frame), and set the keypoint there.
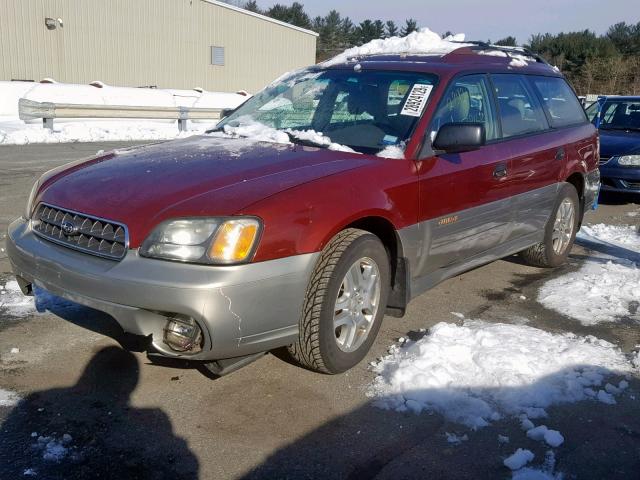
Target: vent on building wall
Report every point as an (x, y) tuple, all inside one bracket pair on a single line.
[(217, 55)]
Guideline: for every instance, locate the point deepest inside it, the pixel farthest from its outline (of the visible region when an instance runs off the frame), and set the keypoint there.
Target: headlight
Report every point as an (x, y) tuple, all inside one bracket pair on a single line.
[(629, 161), (203, 240), (29, 206)]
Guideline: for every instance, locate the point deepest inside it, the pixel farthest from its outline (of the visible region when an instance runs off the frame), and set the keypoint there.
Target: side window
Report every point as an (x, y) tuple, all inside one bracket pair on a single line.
[(560, 101), (592, 111), (467, 100), (520, 111)]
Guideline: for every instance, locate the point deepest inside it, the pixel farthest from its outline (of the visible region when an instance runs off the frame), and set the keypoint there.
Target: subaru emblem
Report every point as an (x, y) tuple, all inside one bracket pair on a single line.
[(69, 228)]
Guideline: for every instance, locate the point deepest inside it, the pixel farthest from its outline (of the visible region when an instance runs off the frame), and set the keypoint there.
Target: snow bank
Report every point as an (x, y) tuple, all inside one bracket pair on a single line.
[(626, 236), (423, 41), (11, 92), (479, 372), (14, 131), (601, 291)]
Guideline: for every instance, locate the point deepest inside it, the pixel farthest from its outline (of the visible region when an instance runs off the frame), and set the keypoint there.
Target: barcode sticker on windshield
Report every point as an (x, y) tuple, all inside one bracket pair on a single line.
[(416, 100)]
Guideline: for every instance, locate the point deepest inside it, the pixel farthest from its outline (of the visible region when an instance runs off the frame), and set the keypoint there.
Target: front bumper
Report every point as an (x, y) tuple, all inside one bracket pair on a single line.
[(618, 178), (241, 309)]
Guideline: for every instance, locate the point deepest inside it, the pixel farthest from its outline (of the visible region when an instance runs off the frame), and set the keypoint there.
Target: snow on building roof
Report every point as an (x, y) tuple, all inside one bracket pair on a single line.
[(262, 17), (422, 42)]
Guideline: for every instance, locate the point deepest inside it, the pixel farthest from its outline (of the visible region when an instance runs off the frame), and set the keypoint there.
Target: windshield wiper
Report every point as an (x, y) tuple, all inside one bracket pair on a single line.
[(293, 138)]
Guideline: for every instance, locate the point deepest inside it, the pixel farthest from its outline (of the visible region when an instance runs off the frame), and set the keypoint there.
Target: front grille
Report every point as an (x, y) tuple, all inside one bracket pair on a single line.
[(604, 160), (81, 232)]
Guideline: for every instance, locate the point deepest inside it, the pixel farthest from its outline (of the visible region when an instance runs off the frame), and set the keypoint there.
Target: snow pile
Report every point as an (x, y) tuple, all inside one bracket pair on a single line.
[(601, 291), (8, 398), (392, 151), (11, 92), (14, 131), (518, 459), (553, 438), (54, 449), (456, 439), (479, 372), (544, 473), (258, 132), (421, 42), (14, 303), (626, 236)]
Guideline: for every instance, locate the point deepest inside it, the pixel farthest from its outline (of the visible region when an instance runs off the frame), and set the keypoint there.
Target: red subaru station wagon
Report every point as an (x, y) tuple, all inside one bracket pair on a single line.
[(332, 197)]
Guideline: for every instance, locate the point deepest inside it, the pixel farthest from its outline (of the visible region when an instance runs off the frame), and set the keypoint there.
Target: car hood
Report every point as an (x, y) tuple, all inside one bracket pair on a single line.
[(619, 142), (198, 176)]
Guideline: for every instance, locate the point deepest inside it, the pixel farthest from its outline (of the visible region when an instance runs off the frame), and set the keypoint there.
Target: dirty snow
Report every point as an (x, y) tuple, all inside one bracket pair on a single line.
[(8, 398), (479, 372), (423, 41), (456, 439), (54, 449)]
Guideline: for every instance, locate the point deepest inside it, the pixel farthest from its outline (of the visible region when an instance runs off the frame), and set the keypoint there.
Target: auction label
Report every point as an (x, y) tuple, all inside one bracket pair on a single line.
[(416, 100)]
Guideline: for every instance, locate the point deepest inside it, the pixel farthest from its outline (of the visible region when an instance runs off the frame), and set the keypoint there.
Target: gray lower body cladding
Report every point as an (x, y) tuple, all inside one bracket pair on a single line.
[(242, 309)]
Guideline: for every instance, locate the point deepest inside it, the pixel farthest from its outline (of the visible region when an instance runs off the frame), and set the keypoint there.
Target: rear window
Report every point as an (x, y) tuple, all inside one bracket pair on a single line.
[(559, 101), (520, 110)]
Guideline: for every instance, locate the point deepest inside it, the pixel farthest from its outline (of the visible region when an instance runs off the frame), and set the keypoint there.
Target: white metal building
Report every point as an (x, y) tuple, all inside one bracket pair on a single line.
[(164, 43)]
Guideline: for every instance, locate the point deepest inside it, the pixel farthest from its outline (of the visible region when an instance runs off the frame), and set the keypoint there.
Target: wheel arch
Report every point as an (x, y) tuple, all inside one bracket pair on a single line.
[(382, 228), (578, 181)]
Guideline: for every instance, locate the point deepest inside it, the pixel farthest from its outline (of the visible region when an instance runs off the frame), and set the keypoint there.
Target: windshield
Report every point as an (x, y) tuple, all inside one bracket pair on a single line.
[(367, 111), (620, 115)]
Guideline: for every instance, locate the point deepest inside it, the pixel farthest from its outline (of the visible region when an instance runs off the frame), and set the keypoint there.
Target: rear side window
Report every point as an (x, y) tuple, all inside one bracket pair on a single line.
[(560, 102), (520, 110), (467, 100)]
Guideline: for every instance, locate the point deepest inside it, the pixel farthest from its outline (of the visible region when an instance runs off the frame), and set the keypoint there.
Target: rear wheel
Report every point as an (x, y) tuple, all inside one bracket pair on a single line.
[(344, 304), (560, 232)]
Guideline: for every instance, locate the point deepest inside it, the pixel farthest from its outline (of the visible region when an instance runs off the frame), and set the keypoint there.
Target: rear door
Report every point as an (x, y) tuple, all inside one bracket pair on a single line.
[(464, 204), (537, 154)]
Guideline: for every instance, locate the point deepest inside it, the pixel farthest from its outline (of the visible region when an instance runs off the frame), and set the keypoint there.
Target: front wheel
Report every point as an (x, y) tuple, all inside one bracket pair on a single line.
[(560, 232), (344, 304)]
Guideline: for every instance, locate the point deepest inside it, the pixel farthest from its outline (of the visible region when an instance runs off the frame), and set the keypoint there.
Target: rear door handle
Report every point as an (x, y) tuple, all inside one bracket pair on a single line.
[(500, 171), (560, 154)]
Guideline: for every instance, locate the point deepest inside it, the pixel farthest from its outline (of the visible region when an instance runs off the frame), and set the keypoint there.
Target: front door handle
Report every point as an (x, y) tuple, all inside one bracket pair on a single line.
[(500, 171)]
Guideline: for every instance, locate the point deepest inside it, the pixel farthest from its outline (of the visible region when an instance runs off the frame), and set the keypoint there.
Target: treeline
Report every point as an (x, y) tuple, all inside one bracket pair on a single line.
[(606, 64)]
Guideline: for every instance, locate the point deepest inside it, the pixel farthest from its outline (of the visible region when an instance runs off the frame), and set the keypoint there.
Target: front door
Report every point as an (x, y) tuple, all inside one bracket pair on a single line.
[(464, 197)]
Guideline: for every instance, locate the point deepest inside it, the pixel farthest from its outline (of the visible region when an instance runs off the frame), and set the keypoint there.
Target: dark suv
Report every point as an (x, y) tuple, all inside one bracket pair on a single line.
[(332, 197)]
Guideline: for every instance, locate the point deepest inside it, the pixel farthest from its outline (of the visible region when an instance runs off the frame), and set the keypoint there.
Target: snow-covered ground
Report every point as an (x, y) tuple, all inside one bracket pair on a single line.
[(14, 131), (480, 372), (606, 288)]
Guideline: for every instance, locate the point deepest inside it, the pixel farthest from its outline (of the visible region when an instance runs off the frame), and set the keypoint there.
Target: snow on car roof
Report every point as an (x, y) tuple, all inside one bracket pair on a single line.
[(422, 42)]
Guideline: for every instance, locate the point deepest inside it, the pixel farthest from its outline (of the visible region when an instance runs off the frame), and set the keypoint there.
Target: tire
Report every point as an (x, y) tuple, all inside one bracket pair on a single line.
[(322, 346), (545, 254)]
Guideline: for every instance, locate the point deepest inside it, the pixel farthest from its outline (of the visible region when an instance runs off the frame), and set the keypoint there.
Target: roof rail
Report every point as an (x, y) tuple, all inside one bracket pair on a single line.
[(479, 44)]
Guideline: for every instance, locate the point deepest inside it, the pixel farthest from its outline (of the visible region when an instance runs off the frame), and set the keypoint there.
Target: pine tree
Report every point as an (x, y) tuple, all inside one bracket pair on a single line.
[(378, 27), (410, 26), (392, 29), (252, 6), (509, 41)]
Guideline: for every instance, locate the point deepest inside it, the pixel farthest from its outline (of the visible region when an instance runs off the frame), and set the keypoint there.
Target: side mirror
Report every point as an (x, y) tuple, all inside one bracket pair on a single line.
[(460, 137)]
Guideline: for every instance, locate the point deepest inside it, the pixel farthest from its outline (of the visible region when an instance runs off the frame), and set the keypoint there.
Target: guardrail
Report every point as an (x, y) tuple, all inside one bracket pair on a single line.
[(48, 111)]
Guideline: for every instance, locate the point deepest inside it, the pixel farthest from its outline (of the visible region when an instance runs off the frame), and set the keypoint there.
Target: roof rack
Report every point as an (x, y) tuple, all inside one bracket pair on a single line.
[(504, 48)]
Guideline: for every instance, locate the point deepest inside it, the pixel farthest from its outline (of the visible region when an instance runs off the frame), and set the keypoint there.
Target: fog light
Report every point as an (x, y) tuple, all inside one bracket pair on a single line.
[(183, 334)]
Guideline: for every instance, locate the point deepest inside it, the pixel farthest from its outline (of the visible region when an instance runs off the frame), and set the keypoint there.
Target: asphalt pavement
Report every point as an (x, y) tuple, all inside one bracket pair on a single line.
[(130, 418)]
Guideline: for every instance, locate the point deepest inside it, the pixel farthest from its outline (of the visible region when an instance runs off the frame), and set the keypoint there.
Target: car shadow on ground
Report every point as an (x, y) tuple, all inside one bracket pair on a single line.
[(90, 430), (601, 441)]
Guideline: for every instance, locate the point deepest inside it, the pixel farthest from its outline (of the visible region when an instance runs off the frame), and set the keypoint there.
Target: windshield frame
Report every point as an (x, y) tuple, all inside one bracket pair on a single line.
[(335, 76)]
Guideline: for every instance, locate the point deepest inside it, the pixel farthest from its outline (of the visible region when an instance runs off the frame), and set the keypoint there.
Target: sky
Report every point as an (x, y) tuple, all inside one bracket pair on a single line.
[(485, 20)]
